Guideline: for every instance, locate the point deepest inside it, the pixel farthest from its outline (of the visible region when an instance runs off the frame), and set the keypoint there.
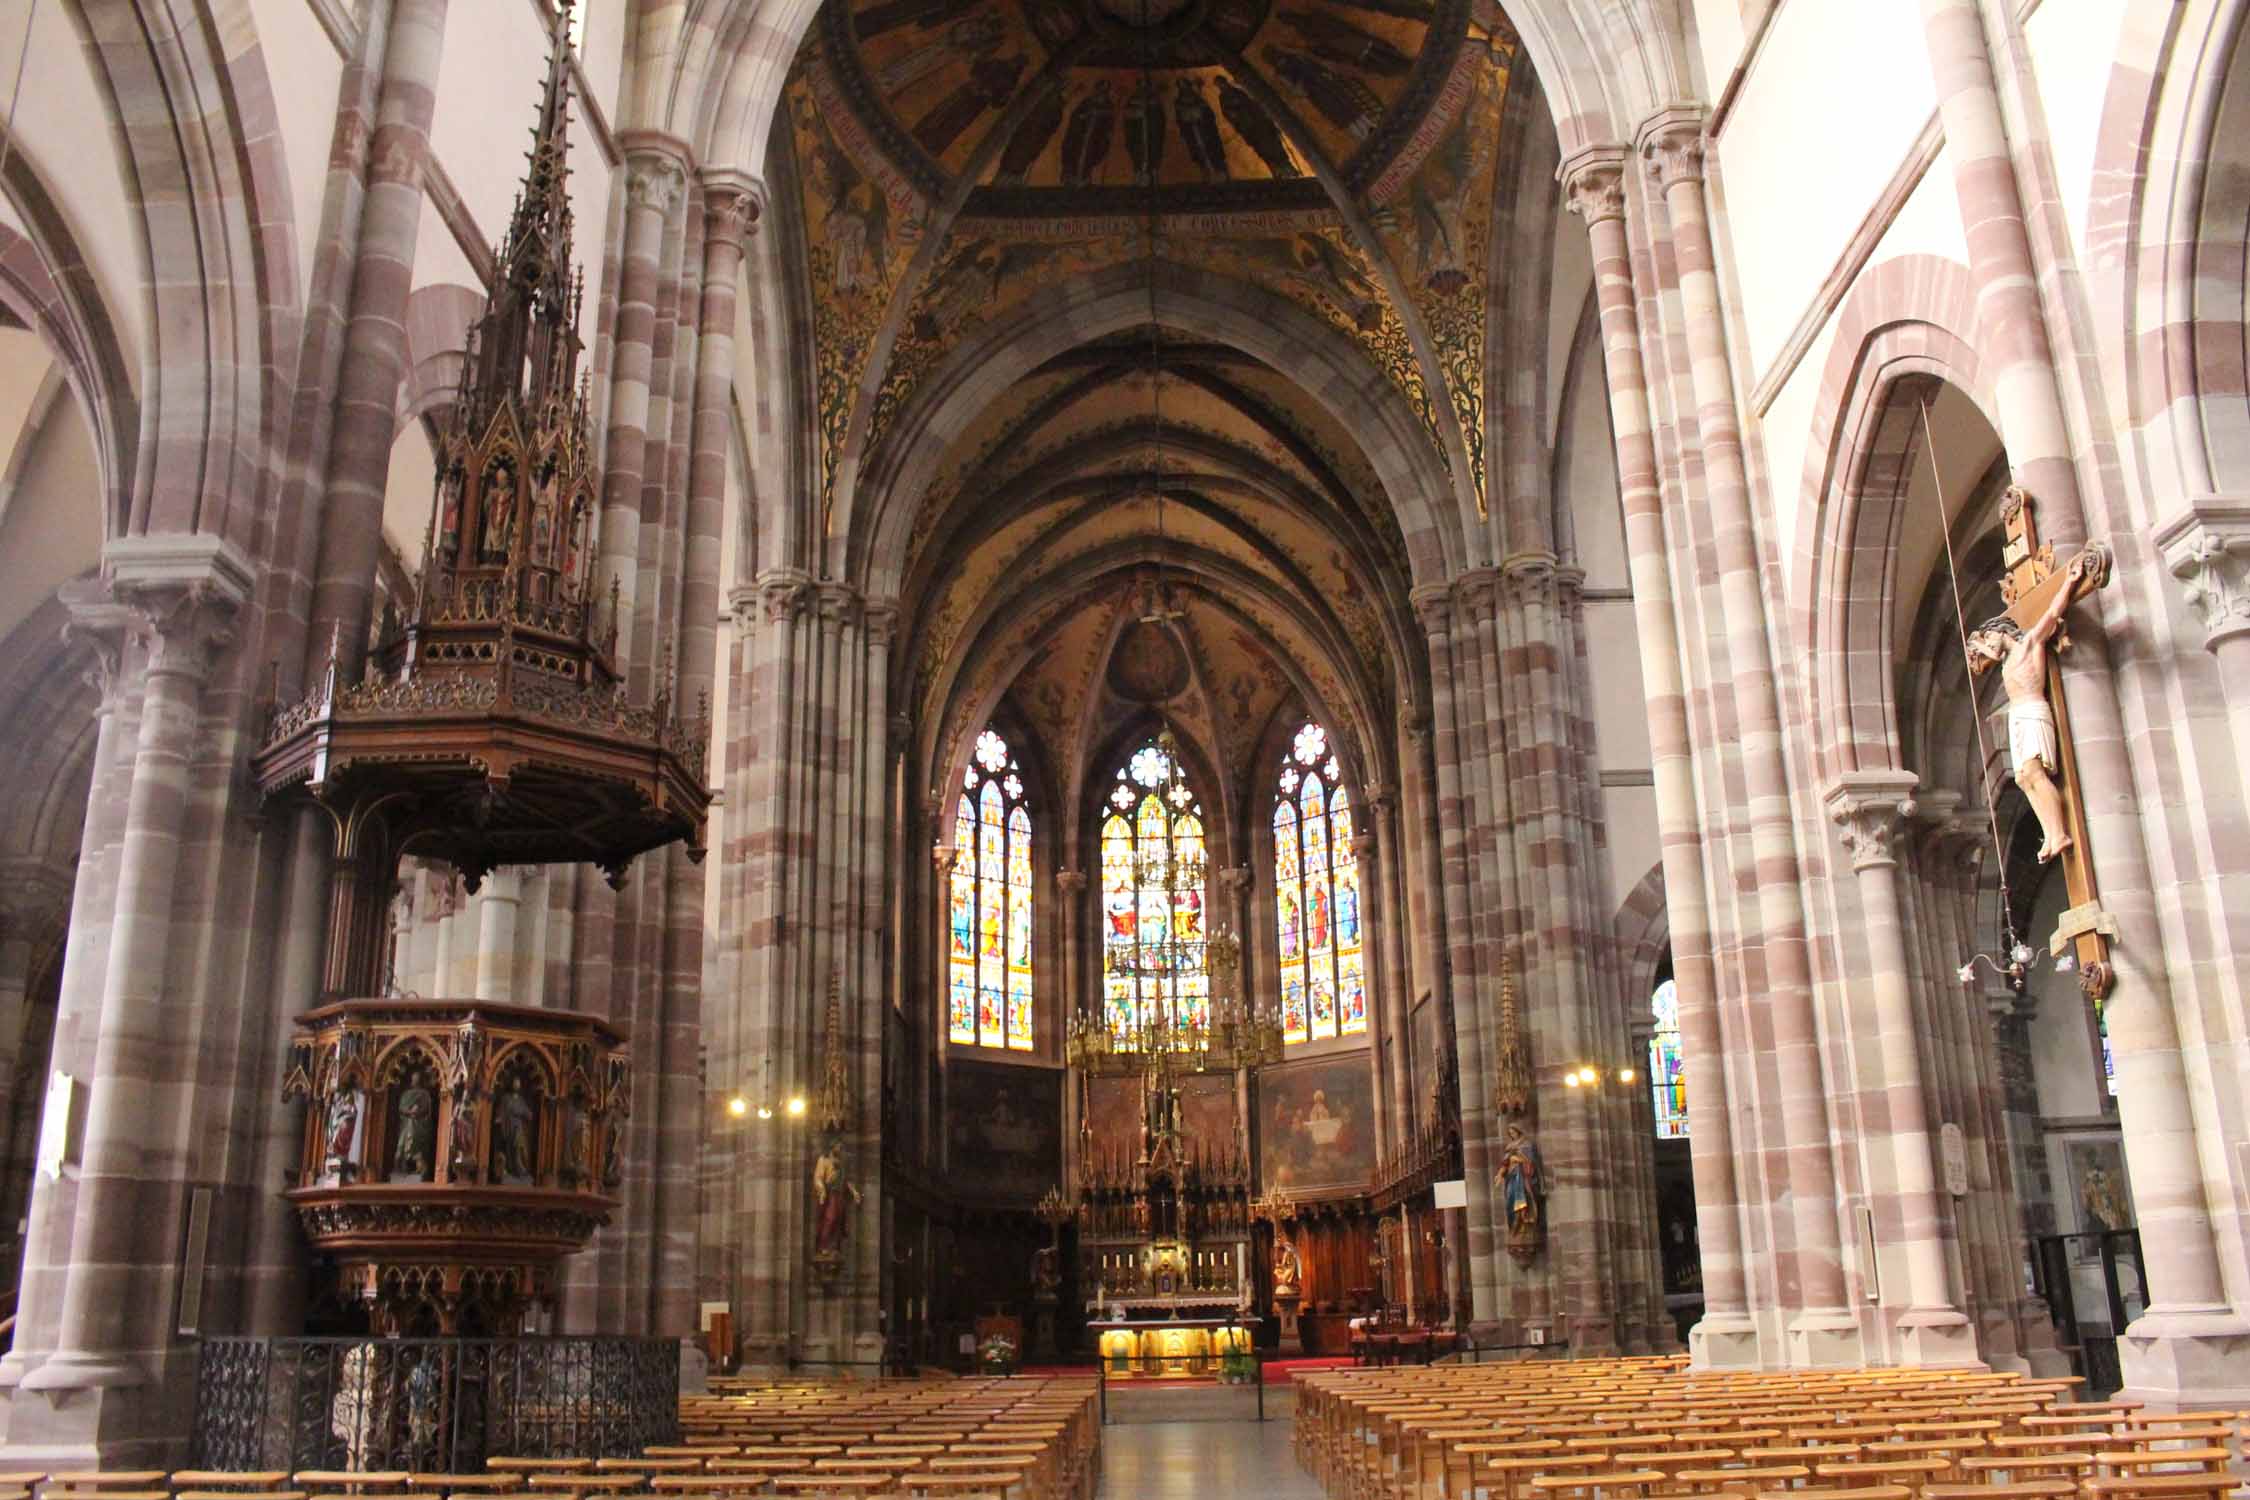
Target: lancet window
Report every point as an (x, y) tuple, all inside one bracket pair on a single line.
[(1664, 1058), (989, 904), (1154, 968), (1317, 895)]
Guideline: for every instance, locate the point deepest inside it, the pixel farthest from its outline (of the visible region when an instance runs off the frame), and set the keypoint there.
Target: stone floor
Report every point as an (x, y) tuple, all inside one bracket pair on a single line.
[(1205, 1460)]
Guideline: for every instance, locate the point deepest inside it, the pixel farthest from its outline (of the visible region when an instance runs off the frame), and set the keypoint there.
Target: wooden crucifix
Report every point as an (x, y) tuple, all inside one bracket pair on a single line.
[(2026, 644)]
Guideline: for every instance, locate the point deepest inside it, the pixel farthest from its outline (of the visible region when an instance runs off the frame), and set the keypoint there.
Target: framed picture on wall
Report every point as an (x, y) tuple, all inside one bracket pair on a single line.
[(2101, 1198)]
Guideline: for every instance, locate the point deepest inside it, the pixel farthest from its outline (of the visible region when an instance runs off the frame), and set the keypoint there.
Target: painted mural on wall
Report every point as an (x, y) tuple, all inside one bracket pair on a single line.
[(1033, 138), (1317, 1125), (1112, 1126), (1207, 1112), (1004, 1129)]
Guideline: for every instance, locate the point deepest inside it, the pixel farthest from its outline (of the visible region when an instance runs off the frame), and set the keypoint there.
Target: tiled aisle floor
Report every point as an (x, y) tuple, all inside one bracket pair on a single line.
[(1204, 1460)]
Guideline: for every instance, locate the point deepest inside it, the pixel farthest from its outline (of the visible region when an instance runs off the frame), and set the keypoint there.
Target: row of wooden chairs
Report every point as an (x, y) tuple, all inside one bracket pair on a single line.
[(1628, 1429)]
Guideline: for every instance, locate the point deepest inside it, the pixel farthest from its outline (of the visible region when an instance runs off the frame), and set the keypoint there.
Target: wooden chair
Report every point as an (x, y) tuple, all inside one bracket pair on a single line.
[(350, 1481), (261, 1481)]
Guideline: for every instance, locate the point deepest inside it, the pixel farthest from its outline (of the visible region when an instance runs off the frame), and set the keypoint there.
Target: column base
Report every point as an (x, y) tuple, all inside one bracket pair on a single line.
[(1825, 1338), (77, 1370), (2181, 1357), (1937, 1337), (1724, 1341), (145, 1424)]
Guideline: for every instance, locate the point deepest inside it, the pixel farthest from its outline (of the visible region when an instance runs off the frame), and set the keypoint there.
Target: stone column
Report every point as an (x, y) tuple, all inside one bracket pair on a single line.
[(184, 592), (655, 178), (1932, 1330), (499, 904), (1824, 1331), (2190, 1338), (374, 354), (1390, 928), (1726, 1335)]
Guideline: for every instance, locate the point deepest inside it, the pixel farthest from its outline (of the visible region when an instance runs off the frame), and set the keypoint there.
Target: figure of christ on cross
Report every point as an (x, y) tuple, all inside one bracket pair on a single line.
[(2019, 647)]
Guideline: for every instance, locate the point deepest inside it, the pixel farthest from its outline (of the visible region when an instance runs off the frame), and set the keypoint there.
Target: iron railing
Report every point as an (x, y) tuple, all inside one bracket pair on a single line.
[(430, 1404)]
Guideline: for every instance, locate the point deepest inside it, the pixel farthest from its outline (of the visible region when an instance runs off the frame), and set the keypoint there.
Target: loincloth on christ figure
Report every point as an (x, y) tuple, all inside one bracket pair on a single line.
[(2031, 736)]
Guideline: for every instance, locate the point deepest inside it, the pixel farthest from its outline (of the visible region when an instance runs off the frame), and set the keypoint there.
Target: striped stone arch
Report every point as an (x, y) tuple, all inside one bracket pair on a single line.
[(1643, 929), (437, 334), (1903, 332)]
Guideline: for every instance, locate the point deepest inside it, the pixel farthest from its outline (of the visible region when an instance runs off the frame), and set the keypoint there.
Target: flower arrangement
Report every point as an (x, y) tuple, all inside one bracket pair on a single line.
[(997, 1354)]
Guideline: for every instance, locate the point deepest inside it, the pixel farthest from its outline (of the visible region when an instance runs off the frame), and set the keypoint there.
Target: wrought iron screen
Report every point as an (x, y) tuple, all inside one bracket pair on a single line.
[(430, 1404)]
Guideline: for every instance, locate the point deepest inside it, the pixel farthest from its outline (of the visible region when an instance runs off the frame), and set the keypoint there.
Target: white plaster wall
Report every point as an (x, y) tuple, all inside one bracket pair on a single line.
[(409, 492), (1634, 848), (1826, 113), (1719, 35), (52, 531), (305, 71), (488, 99), (1927, 223), (63, 128), (2073, 47)]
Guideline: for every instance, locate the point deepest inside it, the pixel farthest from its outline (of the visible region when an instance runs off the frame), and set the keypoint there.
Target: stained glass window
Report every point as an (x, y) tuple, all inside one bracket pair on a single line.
[(1664, 1079), (989, 904), (1152, 927), (1317, 895), (2109, 1057)]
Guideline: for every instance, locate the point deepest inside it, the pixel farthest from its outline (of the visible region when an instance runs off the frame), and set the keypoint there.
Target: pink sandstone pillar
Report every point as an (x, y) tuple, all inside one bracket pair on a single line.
[(185, 593), (1726, 1335), (2188, 1338), (374, 356), (1824, 1330), (1931, 1330)]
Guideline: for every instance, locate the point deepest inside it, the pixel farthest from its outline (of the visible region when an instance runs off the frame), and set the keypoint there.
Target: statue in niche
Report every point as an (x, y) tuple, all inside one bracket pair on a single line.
[(416, 1147), (2021, 653), (513, 1125), (543, 521), (499, 503), (342, 1131), (1522, 1183), (2103, 1204), (461, 1149), (1046, 1274), (833, 1195)]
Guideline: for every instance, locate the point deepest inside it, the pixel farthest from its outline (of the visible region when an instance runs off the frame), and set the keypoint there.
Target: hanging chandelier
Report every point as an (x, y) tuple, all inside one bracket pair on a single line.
[(1165, 1036)]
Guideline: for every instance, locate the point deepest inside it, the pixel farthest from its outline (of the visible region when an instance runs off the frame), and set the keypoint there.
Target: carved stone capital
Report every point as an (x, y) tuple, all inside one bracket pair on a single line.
[(1072, 881), (744, 605), (881, 619), (1672, 148), (840, 602), (2207, 547), (1871, 807), (655, 177), (1433, 605), (99, 625), (1532, 579), (1594, 183), (1235, 879), (783, 594), (183, 591), (942, 857), (733, 202), (1363, 845)]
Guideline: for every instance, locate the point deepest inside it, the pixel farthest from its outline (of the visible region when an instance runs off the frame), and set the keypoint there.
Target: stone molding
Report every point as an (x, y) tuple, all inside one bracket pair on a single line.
[(181, 592), (2207, 547), (654, 178), (34, 899), (1872, 807), (1594, 183), (1433, 606), (783, 594)]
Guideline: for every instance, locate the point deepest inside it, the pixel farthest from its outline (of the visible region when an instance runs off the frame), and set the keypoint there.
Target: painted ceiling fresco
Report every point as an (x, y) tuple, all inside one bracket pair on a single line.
[(955, 157)]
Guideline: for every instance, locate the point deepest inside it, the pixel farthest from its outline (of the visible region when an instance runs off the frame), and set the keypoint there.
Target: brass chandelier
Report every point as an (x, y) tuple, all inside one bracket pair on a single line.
[(1164, 1037)]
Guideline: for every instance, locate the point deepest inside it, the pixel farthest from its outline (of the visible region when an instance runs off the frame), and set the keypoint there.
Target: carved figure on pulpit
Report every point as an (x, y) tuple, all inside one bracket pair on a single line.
[(1288, 1269), (417, 1132), (1523, 1192), (2034, 749), (342, 1130), (461, 1149)]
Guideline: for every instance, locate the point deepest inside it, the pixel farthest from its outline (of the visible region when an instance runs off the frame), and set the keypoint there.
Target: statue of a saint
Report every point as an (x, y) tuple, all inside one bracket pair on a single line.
[(511, 1134), (833, 1193), (1046, 1274), (461, 1148), (417, 1132), (343, 1130), (2034, 750), (1288, 1270), (1523, 1191)]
